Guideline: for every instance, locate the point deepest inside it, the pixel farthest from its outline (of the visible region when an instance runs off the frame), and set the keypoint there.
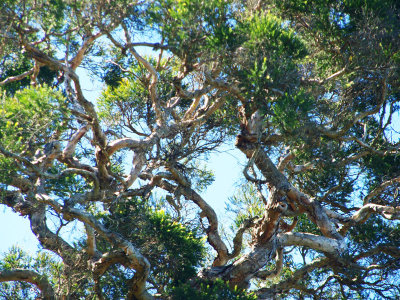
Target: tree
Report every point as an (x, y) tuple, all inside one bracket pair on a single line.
[(308, 92)]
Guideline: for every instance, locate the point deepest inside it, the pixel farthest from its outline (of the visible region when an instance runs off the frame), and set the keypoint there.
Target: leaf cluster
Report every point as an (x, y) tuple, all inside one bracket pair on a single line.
[(173, 250)]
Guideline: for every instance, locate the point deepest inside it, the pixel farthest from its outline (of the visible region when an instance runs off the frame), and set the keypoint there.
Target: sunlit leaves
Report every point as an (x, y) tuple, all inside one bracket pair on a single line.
[(245, 204), (28, 119), (291, 110), (174, 250), (269, 32)]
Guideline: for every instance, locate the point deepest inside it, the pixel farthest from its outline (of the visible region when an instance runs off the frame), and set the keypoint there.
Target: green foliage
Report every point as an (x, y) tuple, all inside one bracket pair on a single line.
[(27, 121), (382, 167), (29, 117), (126, 103), (245, 204), (291, 110), (129, 98), (202, 177), (266, 31), (312, 68), (265, 61), (66, 185), (304, 224), (16, 258), (185, 29), (173, 250), (217, 290), (374, 232)]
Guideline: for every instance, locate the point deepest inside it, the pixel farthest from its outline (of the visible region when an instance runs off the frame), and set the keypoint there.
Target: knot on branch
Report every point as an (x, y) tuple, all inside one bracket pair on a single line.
[(285, 227), (18, 203), (280, 207), (246, 141), (269, 224), (213, 272)]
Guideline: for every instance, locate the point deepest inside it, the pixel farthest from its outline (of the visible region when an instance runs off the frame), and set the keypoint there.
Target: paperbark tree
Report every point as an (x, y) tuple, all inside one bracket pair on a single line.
[(307, 91)]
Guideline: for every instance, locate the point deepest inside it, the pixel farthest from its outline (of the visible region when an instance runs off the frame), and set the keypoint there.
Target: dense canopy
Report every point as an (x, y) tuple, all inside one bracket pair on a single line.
[(308, 92)]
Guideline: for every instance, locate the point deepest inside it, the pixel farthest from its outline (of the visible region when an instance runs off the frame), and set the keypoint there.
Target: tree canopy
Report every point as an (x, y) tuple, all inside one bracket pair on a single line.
[(308, 92)]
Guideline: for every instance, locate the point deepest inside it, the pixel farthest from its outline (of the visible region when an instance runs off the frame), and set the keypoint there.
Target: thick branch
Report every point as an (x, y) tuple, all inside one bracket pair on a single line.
[(50, 240), (206, 211), (320, 243), (268, 226), (267, 274), (138, 161), (242, 270), (197, 120), (192, 108), (84, 173), (224, 86), (29, 276), (91, 241), (238, 240), (108, 259), (270, 172), (16, 78), (76, 61), (99, 136), (284, 161), (21, 159), (380, 188), (116, 145), (73, 141), (152, 88), (276, 180), (292, 281), (136, 260)]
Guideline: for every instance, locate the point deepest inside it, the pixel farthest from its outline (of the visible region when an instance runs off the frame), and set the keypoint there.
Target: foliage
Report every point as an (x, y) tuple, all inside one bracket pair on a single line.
[(27, 121), (245, 204), (306, 91), (16, 258), (174, 250), (214, 291)]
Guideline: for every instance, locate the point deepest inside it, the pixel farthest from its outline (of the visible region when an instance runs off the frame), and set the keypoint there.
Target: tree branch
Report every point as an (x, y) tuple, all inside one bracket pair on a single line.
[(380, 188), (238, 240), (362, 215), (320, 243), (40, 281), (292, 281), (91, 241), (138, 161), (50, 240), (76, 61), (136, 260), (99, 135), (116, 145), (73, 141), (330, 77), (387, 249), (152, 88), (206, 211), (16, 78), (267, 274)]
